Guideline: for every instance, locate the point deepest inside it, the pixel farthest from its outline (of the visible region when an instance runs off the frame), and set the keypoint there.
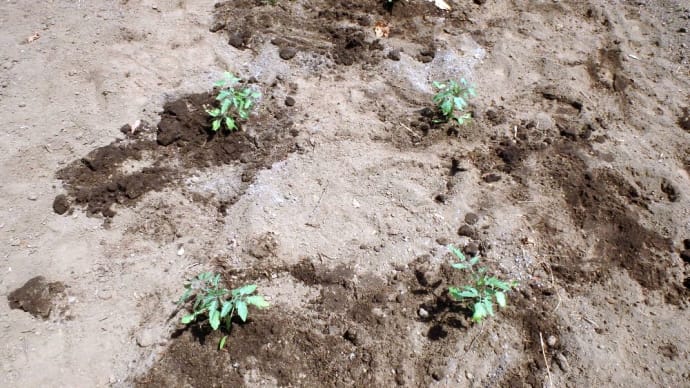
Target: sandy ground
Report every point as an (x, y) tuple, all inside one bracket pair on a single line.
[(580, 114)]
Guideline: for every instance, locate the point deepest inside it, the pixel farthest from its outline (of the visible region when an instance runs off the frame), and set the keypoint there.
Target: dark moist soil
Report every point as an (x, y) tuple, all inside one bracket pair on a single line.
[(359, 332), (336, 30), (181, 144), (37, 297)]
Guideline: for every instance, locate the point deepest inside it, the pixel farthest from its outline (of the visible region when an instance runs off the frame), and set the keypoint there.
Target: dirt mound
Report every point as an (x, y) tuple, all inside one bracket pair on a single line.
[(341, 31), (359, 331), (123, 171)]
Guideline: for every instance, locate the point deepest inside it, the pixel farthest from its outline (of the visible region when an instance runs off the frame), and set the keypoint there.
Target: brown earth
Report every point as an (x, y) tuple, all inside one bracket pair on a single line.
[(341, 194)]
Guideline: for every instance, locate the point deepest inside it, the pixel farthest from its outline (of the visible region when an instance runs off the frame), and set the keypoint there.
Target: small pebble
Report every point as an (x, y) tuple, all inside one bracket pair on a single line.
[(466, 231), (471, 218), (287, 53), (551, 341), (394, 55), (491, 178), (442, 241), (289, 101), (562, 362), (423, 313), (33, 197)]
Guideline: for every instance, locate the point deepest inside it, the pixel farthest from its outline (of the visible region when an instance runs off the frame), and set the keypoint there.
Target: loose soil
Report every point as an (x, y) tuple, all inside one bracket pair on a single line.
[(343, 190)]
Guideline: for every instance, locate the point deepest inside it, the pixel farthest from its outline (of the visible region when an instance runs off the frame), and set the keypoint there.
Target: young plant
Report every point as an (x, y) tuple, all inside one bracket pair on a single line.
[(451, 100), (218, 304), (483, 290), (235, 104)]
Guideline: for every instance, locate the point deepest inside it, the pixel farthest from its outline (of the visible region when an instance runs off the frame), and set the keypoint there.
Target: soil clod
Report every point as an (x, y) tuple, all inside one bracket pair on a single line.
[(36, 296), (287, 53), (61, 204)]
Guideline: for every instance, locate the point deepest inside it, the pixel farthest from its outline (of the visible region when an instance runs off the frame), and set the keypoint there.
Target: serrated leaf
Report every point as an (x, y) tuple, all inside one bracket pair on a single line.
[(489, 306), (454, 292), (501, 299), (230, 123), (479, 312), (214, 319), (497, 283), (227, 306), (187, 319), (224, 107), (257, 301), (459, 103), (446, 107), (458, 253), (460, 266), (246, 290), (185, 296), (242, 310), (213, 306)]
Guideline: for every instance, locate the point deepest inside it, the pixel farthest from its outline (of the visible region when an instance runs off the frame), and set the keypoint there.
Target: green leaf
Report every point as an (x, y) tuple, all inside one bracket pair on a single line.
[(215, 126), (185, 296), (221, 344), (227, 306), (489, 306), (460, 266), (501, 299), (446, 107), (215, 112), (438, 85), (213, 306), (479, 312), (187, 319), (214, 319), (224, 107), (230, 123), (246, 290), (242, 310), (224, 94), (458, 253), (474, 260), (497, 283), (470, 292), (467, 293), (257, 301), (459, 103)]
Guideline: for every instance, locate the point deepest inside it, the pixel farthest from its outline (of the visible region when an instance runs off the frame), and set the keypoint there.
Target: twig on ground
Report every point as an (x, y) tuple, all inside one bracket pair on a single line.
[(413, 133), (546, 363), (553, 284), (318, 203), (469, 347)]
